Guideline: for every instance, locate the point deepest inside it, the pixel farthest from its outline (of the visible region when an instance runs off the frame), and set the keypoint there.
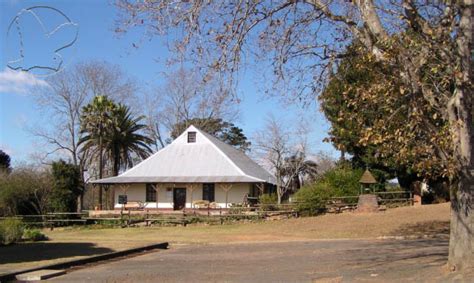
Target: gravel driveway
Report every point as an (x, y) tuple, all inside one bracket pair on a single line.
[(325, 261)]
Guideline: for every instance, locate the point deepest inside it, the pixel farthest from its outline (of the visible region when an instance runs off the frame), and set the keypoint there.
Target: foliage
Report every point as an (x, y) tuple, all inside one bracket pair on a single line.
[(338, 182), (4, 161), (125, 140), (268, 202), (33, 235), (96, 119), (11, 231), (297, 169), (346, 132), (67, 186), (311, 200), (223, 130), (384, 133), (342, 181), (31, 191), (68, 92), (111, 131), (25, 191)]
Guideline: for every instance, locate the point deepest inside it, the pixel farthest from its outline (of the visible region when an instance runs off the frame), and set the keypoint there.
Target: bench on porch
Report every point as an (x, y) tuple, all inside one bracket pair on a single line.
[(135, 205), (204, 204)]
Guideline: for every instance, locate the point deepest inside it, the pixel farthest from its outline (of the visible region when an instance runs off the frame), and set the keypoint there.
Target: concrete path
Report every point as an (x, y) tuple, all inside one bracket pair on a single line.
[(320, 261)]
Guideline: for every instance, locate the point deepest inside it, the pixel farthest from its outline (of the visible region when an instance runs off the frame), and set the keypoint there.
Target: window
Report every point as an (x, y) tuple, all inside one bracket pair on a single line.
[(208, 192), (150, 193), (191, 137)]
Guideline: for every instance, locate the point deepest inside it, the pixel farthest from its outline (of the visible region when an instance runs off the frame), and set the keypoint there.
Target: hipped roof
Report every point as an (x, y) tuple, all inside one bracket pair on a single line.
[(206, 160), (367, 178)]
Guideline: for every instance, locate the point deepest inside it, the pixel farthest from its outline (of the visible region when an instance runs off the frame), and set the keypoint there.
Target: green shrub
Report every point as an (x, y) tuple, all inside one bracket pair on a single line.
[(34, 235), (311, 200), (338, 182), (268, 202), (11, 231), (343, 181)]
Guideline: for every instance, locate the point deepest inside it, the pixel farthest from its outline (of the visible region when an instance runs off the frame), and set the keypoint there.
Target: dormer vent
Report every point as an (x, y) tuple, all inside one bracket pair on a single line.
[(191, 137)]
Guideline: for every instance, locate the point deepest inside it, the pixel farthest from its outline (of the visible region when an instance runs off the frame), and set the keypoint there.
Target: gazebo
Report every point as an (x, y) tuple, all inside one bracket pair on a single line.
[(366, 180), (367, 202)]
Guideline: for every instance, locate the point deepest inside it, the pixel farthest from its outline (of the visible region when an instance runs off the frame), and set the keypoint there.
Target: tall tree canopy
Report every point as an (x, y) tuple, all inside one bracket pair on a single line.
[(112, 136), (425, 43), (96, 119), (355, 103), (125, 140), (67, 186), (25, 191), (225, 131), (4, 161)]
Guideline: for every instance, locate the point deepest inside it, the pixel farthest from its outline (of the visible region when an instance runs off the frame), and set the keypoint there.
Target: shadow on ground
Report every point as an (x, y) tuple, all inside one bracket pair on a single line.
[(389, 260), (424, 228), (27, 252), (423, 252)]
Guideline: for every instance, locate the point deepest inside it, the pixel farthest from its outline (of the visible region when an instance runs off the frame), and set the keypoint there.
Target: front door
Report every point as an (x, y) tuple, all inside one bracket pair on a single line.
[(179, 198)]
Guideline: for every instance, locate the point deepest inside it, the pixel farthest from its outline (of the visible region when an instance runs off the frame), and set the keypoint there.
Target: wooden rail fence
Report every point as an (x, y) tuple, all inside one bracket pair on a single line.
[(208, 215)]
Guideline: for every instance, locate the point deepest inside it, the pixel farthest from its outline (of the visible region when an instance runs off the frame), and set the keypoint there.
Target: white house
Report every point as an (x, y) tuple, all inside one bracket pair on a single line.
[(195, 166)]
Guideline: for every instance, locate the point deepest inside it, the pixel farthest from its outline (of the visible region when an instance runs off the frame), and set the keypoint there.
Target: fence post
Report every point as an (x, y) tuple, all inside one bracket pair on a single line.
[(146, 218), (51, 223)]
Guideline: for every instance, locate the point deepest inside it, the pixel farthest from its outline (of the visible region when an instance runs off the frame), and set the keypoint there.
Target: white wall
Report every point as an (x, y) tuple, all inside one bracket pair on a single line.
[(137, 192)]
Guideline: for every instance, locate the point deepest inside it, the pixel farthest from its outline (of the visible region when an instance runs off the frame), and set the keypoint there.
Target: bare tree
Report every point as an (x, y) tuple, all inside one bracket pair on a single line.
[(62, 102), (282, 151), (302, 39), (325, 162), (153, 110), (186, 96)]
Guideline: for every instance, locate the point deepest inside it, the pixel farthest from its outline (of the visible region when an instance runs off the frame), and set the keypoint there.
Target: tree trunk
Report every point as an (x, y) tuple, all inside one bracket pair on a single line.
[(80, 199), (461, 242), (101, 160)]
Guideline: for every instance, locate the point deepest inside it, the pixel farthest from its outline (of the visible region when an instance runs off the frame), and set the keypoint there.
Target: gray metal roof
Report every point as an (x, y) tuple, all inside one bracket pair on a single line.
[(206, 160)]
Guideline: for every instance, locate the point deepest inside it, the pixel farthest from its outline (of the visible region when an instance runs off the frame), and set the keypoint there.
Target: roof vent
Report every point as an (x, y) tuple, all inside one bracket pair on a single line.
[(191, 137)]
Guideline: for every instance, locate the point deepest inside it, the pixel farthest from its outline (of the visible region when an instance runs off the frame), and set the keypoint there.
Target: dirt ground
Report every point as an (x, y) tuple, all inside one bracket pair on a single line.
[(430, 219), (70, 243), (419, 260)]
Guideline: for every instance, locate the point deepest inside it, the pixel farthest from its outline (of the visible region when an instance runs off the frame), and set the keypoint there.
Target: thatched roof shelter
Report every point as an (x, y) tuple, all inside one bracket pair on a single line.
[(367, 178)]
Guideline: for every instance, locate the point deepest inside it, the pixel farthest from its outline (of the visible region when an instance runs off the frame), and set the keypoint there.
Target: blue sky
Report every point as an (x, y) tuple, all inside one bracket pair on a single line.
[(97, 41)]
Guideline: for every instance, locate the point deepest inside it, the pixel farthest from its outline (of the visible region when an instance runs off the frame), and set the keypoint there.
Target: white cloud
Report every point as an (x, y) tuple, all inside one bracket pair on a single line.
[(18, 81)]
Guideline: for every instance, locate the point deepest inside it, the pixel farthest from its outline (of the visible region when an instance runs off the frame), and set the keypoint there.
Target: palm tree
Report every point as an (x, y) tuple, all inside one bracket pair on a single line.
[(297, 168), (124, 140), (96, 118), (111, 132)]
